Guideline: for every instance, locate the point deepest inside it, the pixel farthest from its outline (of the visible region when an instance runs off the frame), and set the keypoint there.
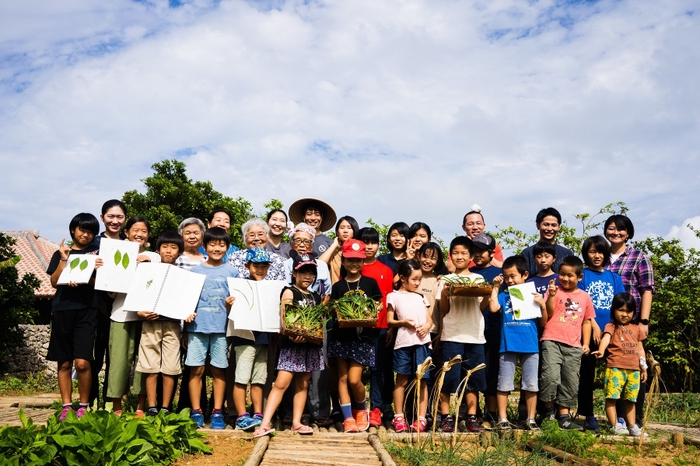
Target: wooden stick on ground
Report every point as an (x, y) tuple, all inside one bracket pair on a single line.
[(384, 455), (259, 450), (559, 455)]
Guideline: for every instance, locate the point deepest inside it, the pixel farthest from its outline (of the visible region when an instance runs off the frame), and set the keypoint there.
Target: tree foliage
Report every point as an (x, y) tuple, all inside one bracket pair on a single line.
[(171, 197), (16, 299)]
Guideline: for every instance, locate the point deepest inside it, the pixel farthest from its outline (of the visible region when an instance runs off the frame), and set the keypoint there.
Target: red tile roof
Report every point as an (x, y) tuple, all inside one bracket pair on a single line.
[(36, 254)]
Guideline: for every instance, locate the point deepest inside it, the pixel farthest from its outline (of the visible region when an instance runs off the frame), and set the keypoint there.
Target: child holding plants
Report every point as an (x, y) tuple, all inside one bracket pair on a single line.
[(74, 315), (206, 335), (410, 313), (353, 348), (519, 340), (396, 243), (602, 286), (251, 356), (626, 364), (159, 348), (297, 357), (125, 330)]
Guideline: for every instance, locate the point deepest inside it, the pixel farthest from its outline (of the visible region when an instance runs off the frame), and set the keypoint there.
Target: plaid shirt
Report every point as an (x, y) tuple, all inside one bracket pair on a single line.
[(637, 274)]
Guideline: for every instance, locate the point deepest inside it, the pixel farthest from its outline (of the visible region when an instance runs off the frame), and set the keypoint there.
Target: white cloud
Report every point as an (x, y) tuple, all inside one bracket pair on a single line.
[(410, 110), (685, 234)]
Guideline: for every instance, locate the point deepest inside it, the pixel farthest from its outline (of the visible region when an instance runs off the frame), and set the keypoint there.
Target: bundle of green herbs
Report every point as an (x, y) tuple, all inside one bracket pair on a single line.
[(461, 285), (356, 307), (306, 320)]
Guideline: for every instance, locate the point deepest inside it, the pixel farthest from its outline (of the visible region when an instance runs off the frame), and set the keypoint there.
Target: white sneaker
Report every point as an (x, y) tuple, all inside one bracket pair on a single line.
[(619, 429), (636, 431)]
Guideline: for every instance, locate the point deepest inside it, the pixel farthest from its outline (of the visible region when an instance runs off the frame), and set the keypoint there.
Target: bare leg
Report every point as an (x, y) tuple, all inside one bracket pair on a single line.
[(444, 403), (342, 373), (301, 387), (65, 384), (152, 389), (141, 403), (219, 376), (502, 398), (256, 396), (82, 367), (168, 389), (630, 413), (239, 398), (531, 403), (195, 386), (274, 399), (471, 398), (611, 411), (355, 379), (423, 408), (399, 392)]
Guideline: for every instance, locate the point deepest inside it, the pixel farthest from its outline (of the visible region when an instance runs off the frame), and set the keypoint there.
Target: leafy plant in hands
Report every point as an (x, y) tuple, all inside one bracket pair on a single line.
[(306, 319), (355, 306)]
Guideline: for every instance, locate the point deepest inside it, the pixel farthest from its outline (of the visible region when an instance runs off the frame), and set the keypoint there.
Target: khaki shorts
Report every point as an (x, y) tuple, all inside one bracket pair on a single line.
[(159, 350), (251, 364)]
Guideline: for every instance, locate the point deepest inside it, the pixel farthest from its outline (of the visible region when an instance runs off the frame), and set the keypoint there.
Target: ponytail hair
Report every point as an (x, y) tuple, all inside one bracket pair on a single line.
[(406, 268)]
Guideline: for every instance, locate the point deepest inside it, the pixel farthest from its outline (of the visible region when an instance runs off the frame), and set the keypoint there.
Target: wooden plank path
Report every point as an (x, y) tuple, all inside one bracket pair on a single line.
[(10, 416), (325, 449)]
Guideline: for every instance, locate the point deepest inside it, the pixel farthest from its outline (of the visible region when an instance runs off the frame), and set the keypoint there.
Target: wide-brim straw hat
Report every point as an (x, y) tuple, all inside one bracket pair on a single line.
[(298, 209)]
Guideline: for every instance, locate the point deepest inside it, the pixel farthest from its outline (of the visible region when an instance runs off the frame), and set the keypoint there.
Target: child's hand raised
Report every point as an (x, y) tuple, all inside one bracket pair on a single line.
[(552, 288), (63, 250), (498, 281)]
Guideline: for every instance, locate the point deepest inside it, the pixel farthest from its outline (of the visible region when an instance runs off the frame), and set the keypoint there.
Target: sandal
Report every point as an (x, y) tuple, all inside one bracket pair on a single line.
[(301, 429), (262, 431)]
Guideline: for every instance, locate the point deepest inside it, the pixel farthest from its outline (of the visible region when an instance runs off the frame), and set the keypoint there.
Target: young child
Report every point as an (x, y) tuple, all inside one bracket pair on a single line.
[(569, 314), (601, 285), (206, 335), (410, 312), (297, 358), (484, 247), (626, 364), (430, 258), (545, 254), (519, 340), (396, 243), (125, 330), (418, 234), (251, 356), (462, 334), (74, 316), (159, 348), (379, 383), (353, 348)]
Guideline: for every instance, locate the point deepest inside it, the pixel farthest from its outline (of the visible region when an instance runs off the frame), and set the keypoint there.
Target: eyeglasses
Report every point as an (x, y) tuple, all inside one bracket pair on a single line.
[(307, 242), (261, 234)]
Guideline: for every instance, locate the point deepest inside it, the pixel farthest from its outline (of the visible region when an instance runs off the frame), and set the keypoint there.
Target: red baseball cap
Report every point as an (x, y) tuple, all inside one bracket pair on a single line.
[(354, 249)]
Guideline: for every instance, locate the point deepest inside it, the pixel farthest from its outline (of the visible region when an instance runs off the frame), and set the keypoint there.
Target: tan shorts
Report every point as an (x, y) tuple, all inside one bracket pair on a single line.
[(251, 364), (159, 350)]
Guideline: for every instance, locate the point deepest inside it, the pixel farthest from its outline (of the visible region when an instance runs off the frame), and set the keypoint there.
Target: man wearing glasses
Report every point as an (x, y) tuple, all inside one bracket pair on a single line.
[(318, 215)]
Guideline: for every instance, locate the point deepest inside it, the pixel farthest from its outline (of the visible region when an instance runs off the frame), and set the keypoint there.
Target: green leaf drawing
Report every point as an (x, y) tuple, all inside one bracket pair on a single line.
[(125, 261), (148, 283), (83, 265), (516, 312), (117, 257), (516, 293), (74, 263)]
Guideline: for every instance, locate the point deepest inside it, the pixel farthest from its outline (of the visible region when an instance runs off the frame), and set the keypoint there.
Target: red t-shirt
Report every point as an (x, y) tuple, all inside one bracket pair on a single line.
[(570, 310), (385, 279)]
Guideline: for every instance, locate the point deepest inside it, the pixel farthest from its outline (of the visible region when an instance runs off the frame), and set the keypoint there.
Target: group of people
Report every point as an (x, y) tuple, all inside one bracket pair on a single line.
[(593, 308)]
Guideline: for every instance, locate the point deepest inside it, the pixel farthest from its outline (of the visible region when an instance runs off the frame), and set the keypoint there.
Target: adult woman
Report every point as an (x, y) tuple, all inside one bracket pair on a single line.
[(113, 216), (318, 215), (192, 231), (345, 229), (637, 275), (277, 221), (255, 233)]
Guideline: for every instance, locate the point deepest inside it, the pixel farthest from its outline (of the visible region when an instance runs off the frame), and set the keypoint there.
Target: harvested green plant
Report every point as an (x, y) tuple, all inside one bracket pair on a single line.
[(356, 306), (461, 285), (307, 320)]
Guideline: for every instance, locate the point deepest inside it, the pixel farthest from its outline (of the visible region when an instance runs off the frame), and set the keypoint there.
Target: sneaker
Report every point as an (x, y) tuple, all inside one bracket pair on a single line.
[(547, 415), (399, 424), (320, 421), (81, 411), (565, 422), (139, 414), (473, 425), (165, 411), (245, 422), (503, 425), (621, 420), (64, 413), (152, 411), (619, 429), (217, 420), (350, 426), (447, 424), (591, 423), (375, 417), (636, 431), (198, 417), (421, 425), (361, 419), (531, 425), (117, 412)]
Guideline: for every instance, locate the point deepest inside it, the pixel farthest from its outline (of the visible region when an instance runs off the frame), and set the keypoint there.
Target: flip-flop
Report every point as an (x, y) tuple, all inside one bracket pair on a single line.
[(262, 431), (303, 430)]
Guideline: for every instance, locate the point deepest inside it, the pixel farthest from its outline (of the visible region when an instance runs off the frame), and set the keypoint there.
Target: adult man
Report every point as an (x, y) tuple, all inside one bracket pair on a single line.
[(473, 223), (548, 222), (219, 217), (318, 215)]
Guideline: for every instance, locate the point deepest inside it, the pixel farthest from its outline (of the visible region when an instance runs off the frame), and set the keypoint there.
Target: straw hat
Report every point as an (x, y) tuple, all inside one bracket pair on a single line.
[(298, 209)]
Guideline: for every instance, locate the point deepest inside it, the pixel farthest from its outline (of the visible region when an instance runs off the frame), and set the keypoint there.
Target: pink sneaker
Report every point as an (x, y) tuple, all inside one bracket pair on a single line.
[(399, 424), (81, 412), (64, 413), (420, 425)]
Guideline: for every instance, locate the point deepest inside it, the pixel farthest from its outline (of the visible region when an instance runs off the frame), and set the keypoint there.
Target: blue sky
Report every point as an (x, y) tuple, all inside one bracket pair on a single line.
[(407, 110)]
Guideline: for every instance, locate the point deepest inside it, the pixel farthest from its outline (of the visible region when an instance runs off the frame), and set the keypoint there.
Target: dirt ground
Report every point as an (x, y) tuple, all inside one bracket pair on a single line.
[(227, 451)]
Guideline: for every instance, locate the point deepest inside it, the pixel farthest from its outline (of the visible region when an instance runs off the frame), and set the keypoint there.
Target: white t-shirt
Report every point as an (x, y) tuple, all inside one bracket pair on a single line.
[(411, 306), (465, 321), (118, 312)]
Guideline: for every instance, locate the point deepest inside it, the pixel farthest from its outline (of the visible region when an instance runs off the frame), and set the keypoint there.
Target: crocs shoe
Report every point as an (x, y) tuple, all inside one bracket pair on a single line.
[(375, 417), (81, 411), (198, 417), (350, 426), (361, 419), (64, 413), (217, 421)]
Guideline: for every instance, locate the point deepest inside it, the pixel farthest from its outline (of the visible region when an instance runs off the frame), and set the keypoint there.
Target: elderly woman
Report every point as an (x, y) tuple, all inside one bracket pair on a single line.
[(192, 232), (318, 215), (302, 241), (255, 233), (637, 277)]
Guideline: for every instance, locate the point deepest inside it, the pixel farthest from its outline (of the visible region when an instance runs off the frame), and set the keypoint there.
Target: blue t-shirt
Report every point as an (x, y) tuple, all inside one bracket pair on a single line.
[(542, 283), (212, 316), (602, 288), (517, 336), (493, 320)]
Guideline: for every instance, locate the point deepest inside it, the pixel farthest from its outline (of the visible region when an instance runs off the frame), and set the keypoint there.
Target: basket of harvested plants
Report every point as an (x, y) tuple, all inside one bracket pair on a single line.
[(356, 310), (464, 286), (305, 321)]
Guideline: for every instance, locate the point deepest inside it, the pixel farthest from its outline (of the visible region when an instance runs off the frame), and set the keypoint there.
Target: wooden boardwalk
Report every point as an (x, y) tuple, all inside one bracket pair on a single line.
[(325, 449)]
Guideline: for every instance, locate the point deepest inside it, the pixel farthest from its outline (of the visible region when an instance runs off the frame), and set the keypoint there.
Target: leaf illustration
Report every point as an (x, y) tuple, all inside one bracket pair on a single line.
[(125, 260), (516, 312), (83, 265), (148, 283), (74, 263), (117, 257), (516, 293)]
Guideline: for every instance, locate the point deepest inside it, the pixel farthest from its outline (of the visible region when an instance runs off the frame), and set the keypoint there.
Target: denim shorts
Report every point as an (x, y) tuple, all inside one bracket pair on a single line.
[(201, 344), (407, 359), (472, 355), (506, 371)]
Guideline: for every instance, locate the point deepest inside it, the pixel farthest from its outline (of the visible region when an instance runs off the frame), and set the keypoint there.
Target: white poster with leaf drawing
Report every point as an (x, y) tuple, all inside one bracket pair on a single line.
[(78, 269), (256, 306), (119, 266), (522, 298)]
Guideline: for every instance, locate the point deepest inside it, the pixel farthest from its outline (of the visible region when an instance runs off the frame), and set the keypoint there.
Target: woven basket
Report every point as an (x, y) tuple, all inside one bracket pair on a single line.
[(357, 323), (471, 290), (316, 338)]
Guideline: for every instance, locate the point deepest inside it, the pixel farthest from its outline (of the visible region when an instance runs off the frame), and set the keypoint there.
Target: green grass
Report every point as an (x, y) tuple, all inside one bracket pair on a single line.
[(33, 384), (672, 408)]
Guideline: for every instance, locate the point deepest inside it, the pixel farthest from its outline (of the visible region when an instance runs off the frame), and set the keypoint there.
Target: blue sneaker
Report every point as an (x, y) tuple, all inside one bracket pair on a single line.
[(591, 423), (217, 420), (198, 417), (245, 422)]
